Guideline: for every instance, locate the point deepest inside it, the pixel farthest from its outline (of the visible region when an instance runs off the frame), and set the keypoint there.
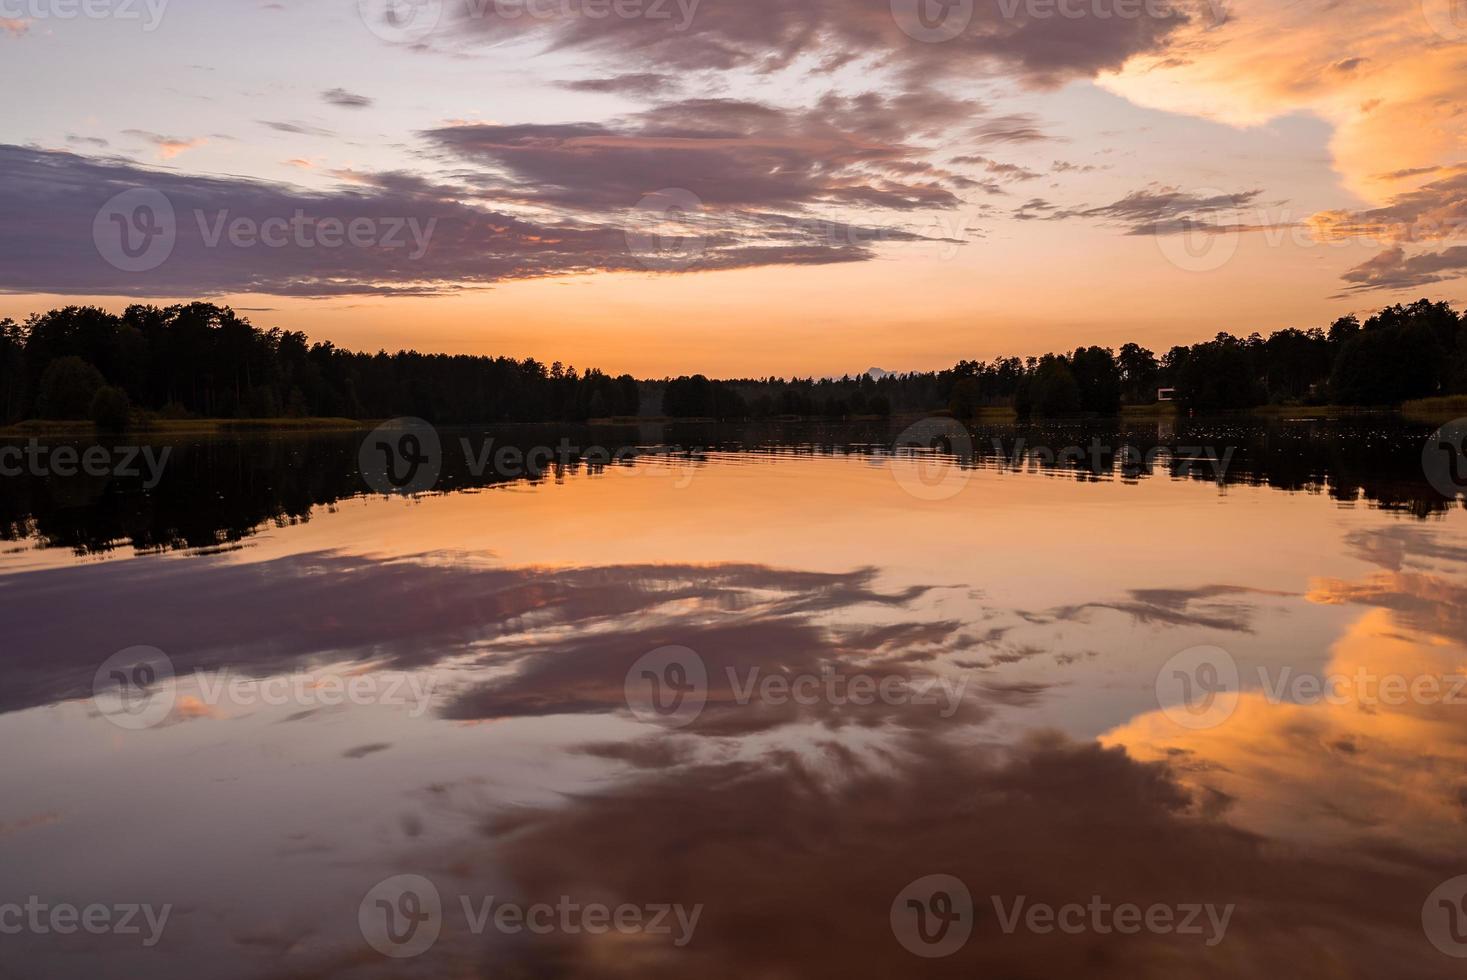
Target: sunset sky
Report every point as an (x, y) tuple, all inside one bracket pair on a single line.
[(737, 187)]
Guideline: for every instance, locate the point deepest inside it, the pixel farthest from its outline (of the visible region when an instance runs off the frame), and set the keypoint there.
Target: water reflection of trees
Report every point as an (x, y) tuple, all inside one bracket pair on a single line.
[(215, 492)]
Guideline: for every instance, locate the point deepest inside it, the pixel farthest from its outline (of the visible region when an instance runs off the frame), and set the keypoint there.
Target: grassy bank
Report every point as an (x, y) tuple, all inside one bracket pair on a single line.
[(187, 427), (1156, 410), (1442, 409)]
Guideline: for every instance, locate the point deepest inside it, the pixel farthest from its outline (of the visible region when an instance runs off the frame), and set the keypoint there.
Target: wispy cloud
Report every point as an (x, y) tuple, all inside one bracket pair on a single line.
[(346, 100), (168, 146)]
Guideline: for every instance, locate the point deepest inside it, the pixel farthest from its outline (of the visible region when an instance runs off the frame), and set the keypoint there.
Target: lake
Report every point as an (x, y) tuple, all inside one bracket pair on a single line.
[(1165, 698)]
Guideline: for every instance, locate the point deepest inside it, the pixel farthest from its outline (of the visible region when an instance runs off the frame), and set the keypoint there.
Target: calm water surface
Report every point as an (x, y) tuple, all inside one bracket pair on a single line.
[(772, 678)]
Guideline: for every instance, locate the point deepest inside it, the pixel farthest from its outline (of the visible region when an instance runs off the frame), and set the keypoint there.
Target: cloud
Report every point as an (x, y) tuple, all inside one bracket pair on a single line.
[(987, 37), (1434, 211), (1017, 128), (417, 237), (347, 100), (1386, 75), (1408, 172), (728, 153), (633, 83), (1160, 210), (168, 146), (1394, 269), (295, 128), (1001, 171)]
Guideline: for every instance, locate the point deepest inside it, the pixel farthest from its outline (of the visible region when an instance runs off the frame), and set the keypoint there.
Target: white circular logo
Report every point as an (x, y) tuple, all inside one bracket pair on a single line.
[(1448, 18), (136, 230), (666, 230), (1444, 458), (932, 21), (933, 916), (932, 459), (401, 916), (133, 688), (1205, 243), (403, 456), (401, 21), (1444, 917), (668, 686), (1198, 688)]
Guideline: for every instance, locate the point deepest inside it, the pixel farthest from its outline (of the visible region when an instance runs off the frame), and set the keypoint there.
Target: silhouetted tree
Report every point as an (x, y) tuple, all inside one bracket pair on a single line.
[(67, 388), (199, 359), (1139, 371), (1098, 378), (110, 409), (1218, 376), (1049, 391)]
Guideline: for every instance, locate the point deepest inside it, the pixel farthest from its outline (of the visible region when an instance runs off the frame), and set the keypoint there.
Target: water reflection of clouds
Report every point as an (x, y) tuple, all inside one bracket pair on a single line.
[(552, 640), (1375, 779), (797, 856), (796, 824)]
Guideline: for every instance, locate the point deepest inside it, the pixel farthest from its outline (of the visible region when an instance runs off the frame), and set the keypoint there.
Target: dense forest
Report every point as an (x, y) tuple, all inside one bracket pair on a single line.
[(203, 360)]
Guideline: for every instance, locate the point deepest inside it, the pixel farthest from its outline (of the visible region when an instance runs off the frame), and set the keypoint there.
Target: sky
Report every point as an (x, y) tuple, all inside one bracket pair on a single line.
[(737, 187)]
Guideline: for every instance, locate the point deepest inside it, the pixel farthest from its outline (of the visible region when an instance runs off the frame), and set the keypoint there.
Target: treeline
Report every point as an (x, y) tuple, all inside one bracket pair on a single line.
[(1401, 353), (203, 360)]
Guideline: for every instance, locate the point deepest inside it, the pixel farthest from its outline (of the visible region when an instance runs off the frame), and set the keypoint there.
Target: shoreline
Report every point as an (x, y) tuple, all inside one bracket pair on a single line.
[(1422, 410)]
